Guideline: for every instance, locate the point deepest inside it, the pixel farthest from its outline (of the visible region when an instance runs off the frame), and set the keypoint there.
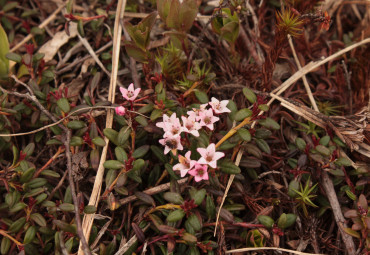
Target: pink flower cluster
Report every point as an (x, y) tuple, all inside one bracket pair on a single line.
[(129, 94), (196, 119)]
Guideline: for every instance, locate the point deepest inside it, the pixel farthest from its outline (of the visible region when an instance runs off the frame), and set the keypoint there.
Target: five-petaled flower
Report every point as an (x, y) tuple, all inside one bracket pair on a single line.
[(171, 143), (170, 125), (190, 125), (207, 118), (185, 164), (130, 93), (199, 172), (209, 155), (219, 106), (120, 110)]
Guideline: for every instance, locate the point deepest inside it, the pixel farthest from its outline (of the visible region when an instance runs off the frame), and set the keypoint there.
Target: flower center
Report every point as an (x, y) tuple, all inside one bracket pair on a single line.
[(209, 157), (171, 143), (200, 171), (207, 120), (130, 93)]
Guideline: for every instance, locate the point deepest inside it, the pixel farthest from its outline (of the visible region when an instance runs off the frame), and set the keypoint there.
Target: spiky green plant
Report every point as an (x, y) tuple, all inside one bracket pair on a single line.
[(304, 196), (289, 23)]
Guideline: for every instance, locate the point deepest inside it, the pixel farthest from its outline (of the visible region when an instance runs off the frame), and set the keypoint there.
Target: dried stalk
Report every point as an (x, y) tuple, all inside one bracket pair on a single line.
[(95, 195)]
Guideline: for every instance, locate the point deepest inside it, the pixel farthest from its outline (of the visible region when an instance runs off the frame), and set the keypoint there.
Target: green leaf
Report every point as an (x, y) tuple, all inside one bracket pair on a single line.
[(67, 207), (351, 232), (229, 167), (121, 154), (262, 144), (343, 161), (76, 141), (14, 57), (63, 104), (269, 123), (323, 150), (301, 144), (5, 245), (201, 96), (113, 164), (265, 220), (111, 134), (156, 113), (123, 135), (141, 151), (244, 134), (17, 225), (263, 107), (242, 114), (76, 124), (4, 49), (193, 220), (173, 197), (30, 235), (141, 120), (325, 140), (175, 215), (249, 94), (199, 196), (98, 141)]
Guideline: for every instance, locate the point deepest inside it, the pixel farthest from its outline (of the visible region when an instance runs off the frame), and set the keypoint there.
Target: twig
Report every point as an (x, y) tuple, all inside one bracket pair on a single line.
[(337, 211), (270, 248), (95, 195), (267, 173), (67, 141), (305, 82), (42, 25), (76, 62), (348, 80), (94, 56), (89, 108), (152, 191), (33, 98), (231, 179), (313, 65)]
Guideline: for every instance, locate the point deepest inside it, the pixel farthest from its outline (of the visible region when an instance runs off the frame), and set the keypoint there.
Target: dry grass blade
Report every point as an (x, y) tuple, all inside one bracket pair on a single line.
[(305, 82), (270, 248), (95, 195), (350, 129), (231, 179)]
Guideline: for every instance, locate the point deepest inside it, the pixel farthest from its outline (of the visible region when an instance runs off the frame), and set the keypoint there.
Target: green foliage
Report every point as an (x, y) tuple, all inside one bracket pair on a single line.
[(304, 196)]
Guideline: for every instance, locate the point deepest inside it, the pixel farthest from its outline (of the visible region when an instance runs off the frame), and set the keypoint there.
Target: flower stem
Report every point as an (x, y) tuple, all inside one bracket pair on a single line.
[(233, 131)]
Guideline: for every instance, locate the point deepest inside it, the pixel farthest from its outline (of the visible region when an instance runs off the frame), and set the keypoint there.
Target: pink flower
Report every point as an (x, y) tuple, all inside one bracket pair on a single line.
[(219, 107), (209, 155), (207, 119), (130, 93), (196, 112), (190, 125), (120, 110), (170, 125), (171, 143), (185, 164), (199, 172)]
